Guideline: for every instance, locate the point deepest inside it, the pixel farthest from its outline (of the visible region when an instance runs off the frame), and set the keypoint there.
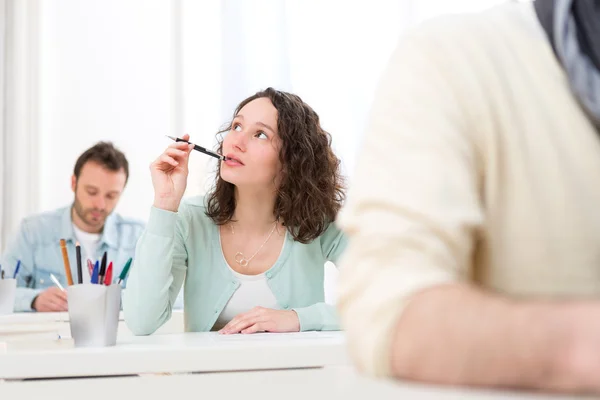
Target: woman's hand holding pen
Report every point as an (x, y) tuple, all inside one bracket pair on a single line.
[(169, 175)]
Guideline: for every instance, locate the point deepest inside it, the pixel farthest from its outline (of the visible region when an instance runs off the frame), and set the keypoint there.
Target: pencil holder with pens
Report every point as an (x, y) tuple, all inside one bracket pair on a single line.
[(8, 288), (94, 314)]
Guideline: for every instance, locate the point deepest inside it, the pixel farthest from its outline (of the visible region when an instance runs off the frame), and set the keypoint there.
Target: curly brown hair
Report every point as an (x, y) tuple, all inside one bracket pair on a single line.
[(312, 188)]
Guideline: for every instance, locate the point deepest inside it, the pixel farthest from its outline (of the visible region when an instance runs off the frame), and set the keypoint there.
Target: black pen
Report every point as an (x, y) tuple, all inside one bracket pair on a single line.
[(102, 269), (200, 149), (78, 259)]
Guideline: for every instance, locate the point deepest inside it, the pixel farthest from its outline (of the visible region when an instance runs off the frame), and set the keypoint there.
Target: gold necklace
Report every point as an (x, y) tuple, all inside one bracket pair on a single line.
[(239, 256)]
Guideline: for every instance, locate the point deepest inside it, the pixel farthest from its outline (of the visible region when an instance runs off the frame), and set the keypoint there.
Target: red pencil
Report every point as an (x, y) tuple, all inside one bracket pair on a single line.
[(108, 278), (90, 267)]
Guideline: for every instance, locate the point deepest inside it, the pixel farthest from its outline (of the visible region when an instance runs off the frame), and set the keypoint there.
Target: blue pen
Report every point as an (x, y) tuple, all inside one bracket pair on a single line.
[(17, 269), (95, 273)]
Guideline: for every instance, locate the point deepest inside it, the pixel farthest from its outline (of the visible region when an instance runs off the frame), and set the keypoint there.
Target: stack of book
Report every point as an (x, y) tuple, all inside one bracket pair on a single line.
[(32, 331)]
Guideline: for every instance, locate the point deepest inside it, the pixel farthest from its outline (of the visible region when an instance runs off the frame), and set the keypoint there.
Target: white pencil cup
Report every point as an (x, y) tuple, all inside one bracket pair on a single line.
[(94, 314), (8, 289)]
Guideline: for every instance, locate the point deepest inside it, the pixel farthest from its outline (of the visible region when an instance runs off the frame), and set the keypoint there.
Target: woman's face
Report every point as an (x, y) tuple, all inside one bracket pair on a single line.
[(252, 147)]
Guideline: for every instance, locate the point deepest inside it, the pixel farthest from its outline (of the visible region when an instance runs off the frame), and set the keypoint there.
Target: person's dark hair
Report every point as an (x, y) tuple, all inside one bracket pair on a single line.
[(105, 154), (312, 187)]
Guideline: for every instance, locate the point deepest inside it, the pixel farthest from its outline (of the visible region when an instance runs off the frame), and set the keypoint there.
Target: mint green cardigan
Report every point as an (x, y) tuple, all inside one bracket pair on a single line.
[(184, 248)]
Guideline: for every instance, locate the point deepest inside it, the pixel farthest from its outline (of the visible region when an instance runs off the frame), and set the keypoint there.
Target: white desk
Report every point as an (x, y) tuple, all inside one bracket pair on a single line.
[(330, 383), (45, 325), (185, 352)]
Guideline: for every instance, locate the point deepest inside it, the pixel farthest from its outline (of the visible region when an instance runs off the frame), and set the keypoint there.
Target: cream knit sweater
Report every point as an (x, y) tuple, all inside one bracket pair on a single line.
[(478, 165)]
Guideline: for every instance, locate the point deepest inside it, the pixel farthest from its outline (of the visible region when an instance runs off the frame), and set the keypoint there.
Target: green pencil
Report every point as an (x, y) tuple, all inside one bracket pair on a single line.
[(124, 271)]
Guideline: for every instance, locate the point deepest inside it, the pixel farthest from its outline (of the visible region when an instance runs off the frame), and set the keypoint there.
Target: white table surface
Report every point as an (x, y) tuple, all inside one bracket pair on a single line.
[(56, 324), (330, 383), (30, 317), (183, 352)]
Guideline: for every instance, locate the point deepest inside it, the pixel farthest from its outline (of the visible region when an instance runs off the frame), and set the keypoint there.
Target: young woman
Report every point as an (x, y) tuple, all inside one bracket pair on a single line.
[(252, 252)]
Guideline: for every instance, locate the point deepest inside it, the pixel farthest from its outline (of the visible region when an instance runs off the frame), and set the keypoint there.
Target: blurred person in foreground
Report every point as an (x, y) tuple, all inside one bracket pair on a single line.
[(473, 218)]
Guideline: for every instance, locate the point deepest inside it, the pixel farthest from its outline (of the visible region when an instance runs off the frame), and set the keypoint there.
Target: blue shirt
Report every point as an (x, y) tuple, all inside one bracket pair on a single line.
[(37, 245)]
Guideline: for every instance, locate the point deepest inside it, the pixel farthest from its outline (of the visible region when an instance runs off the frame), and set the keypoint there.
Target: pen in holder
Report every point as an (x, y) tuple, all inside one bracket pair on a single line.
[(94, 314), (8, 288)]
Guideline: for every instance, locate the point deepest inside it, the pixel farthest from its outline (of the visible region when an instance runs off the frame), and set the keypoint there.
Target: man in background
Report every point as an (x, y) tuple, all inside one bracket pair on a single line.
[(98, 180)]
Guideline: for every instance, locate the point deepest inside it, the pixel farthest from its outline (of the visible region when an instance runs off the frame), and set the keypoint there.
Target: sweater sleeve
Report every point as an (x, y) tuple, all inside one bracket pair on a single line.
[(157, 272), (413, 205)]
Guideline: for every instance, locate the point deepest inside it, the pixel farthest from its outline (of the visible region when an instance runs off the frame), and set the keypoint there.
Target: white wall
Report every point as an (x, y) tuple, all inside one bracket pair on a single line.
[(133, 71), (425, 9), (110, 70), (105, 75)]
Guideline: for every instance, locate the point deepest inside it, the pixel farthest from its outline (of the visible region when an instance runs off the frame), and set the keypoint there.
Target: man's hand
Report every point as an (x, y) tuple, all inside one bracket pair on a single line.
[(51, 299)]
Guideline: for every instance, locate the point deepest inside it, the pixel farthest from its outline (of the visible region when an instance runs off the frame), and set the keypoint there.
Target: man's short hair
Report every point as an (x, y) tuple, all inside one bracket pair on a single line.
[(105, 154)]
